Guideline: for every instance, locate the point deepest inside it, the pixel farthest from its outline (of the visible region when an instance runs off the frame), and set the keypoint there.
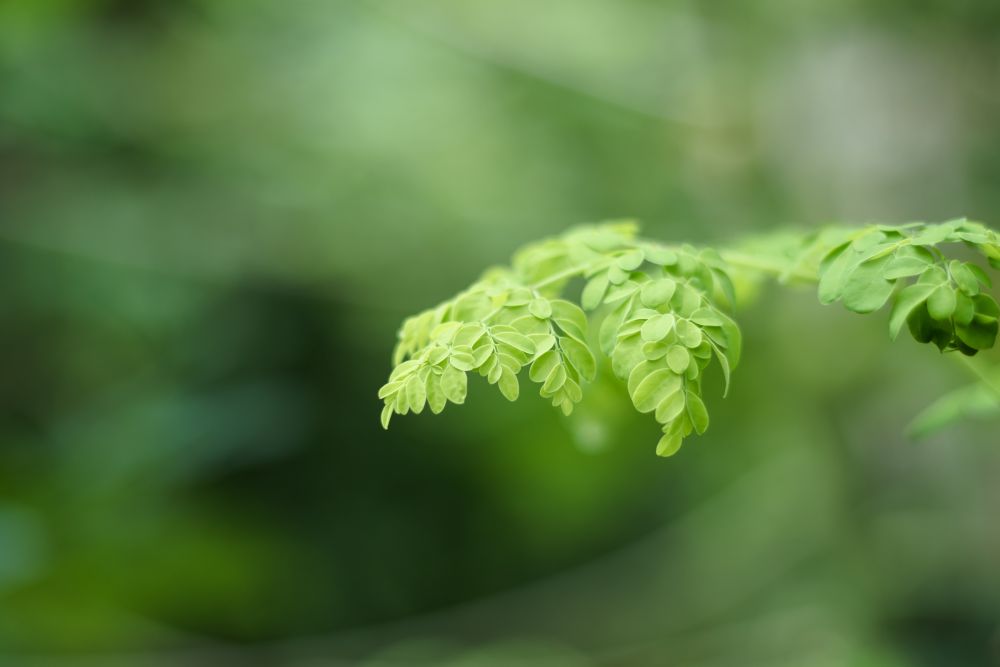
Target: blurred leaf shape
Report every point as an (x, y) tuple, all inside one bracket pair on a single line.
[(980, 400)]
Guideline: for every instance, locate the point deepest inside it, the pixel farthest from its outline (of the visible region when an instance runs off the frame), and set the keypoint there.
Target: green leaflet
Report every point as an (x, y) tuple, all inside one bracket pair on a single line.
[(454, 384), (593, 293), (697, 412), (941, 302), (657, 292), (669, 444), (508, 384), (868, 269), (865, 290), (905, 265), (964, 277), (540, 308), (662, 314), (657, 327), (908, 300), (631, 260), (655, 387), (678, 359)]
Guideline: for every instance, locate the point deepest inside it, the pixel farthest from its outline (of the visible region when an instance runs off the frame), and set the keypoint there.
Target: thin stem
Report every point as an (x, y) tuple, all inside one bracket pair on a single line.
[(742, 260)]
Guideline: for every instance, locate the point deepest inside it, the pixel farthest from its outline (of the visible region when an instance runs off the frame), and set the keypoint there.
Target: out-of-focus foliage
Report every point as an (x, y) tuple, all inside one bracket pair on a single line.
[(213, 214)]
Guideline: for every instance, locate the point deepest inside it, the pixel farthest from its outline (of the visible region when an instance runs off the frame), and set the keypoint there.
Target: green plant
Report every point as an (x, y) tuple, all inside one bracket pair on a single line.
[(665, 313)]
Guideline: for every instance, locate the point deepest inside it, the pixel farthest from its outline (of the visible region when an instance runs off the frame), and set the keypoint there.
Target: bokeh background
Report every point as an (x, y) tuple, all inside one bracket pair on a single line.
[(214, 214)]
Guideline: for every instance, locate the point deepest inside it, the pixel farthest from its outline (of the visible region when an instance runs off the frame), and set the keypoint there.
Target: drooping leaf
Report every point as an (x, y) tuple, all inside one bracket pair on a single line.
[(697, 412), (669, 444), (570, 318), (594, 292), (941, 302), (580, 356), (436, 399), (678, 359), (463, 361), (654, 388), (516, 340), (908, 299), (416, 394), (671, 406), (555, 379), (834, 272), (631, 260), (979, 334), (540, 308), (543, 365), (668, 321), (508, 384), (661, 256), (688, 334), (657, 292), (865, 290), (657, 327), (964, 277), (904, 266), (454, 384)]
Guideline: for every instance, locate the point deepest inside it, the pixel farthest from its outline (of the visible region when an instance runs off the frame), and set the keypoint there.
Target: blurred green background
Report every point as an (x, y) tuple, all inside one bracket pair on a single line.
[(214, 215)]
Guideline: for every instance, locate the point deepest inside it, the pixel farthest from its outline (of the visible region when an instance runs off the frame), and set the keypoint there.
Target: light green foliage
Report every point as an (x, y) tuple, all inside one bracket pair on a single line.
[(663, 313), (944, 304)]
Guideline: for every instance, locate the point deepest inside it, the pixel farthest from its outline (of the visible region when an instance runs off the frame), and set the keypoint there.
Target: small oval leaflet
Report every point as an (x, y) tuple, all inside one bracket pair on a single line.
[(657, 327), (663, 314)]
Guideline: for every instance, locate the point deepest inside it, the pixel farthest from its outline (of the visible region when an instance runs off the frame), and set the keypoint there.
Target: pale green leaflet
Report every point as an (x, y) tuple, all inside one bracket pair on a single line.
[(663, 314)]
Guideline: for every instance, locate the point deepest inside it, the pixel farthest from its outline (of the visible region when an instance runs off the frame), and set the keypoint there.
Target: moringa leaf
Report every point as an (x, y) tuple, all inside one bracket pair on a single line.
[(865, 290), (688, 334), (631, 260), (671, 406), (570, 318), (507, 382), (964, 277), (436, 399), (657, 327), (697, 412), (416, 394), (981, 276), (979, 334), (904, 266), (911, 297), (463, 361), (678, 359), (661, 256), (540, 308), (656, 293), (941, 302), (454, 384), (617, 275), (669, 444), (516, 340), (594, 292), (834, 271), (667, 319), (580, 356), (654, 388)]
